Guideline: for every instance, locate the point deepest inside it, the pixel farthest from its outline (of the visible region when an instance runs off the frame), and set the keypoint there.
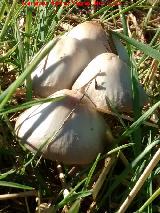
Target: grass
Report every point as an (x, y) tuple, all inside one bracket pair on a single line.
[(24, 31)]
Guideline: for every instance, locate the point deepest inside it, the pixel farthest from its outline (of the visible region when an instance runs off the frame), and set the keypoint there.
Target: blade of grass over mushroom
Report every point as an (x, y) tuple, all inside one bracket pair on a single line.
[(29, 104), (143, 47), (130, 168), (7, 94), (15, 185), (50, 138)]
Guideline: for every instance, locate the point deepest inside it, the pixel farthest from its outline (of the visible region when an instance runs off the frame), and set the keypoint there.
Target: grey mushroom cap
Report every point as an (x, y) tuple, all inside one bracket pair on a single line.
[(80, 134), (97, 40), (107, 82), (93, 36), (60, 68)]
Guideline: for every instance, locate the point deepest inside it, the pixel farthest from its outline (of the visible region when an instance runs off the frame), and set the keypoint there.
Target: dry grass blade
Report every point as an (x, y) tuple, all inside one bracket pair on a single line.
[(17, 195), (140, 182), (109, 161)]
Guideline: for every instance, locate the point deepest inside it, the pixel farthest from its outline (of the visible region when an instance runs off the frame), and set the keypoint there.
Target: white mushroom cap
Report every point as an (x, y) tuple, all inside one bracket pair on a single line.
[(92, 36), (80, 137), (60, 68), (107, 80), (97, 41)]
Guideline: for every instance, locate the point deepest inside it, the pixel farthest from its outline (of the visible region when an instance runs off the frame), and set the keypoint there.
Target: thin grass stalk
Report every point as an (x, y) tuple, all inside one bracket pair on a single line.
[(127, 9), (2, 10), (28, 27), (8, 19)]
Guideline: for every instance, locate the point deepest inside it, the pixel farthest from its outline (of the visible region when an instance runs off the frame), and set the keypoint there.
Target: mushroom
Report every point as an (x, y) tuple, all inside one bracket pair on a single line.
[(93, 36), (107, 82), (60, 68), (72, 126), (97, 41)]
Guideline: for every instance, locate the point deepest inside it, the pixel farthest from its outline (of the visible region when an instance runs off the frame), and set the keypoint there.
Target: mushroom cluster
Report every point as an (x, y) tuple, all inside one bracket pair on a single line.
[(88, 69)]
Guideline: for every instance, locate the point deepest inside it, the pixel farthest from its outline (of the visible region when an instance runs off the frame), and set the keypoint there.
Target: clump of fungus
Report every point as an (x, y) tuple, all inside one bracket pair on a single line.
[(106, 81), (60, 68), (73, 128)]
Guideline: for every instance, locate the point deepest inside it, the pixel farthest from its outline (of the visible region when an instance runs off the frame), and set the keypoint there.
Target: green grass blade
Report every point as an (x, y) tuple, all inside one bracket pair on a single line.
[(20, 46), (127, 9), (119, 148), (128, 169), (8, 19), (28, 104), (4, 175), (15, 185), (89, 178), (6, 55), (143, 47), (137, 123), (73, 197), (2, 10), (28, 27), (75, 207), (7, 94), (149, 201)]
